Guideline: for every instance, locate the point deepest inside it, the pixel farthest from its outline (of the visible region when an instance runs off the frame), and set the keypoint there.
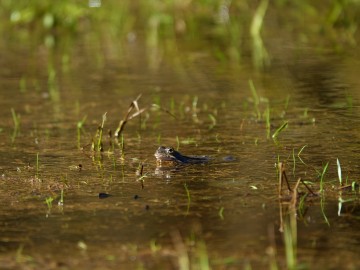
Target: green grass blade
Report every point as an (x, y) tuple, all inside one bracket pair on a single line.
[(279, 130), (339, 171)]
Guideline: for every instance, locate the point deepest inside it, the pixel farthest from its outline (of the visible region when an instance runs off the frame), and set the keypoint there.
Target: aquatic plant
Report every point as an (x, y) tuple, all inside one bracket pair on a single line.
[(21, 257), (213, 121), (294, 194), (37, 166), (322, 177), (204, 263), (299, 153), (256, 99), (294, 161), (260, 56), (140, 175), (48, 202), (16, 120), (79, 129), (267, 121), (22, 84), (64, 15), (278, 131), (195, 109), (122, 147), (183, 258), (188, 197), (134, 105), (297, 156), (322, 198), (290, 239), (61, 201), (177, 143), (99, 145), (221, 212), (339, 171)]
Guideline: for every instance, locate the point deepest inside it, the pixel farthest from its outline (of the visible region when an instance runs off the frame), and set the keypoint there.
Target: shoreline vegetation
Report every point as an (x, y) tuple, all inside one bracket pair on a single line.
[(229, 29)]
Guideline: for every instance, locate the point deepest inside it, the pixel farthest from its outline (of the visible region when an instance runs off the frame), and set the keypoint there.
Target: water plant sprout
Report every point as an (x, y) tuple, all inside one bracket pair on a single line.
[(16, 120), (260, 56), (37, 165), (101, 128), (278, 131), (80, 126), (256, 99), (339, 171), (188, 197)]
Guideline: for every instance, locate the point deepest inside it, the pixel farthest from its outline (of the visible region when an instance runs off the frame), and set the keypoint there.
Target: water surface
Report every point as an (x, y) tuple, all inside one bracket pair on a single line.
[(223, 214)]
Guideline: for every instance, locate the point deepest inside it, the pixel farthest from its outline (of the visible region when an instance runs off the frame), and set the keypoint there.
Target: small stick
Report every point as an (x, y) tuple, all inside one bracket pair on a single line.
[(282, 175), (280, 168), (287, 182), (281, 226), (134, 104), (164, 110), (295, 193), (308, 188), (139, 172)]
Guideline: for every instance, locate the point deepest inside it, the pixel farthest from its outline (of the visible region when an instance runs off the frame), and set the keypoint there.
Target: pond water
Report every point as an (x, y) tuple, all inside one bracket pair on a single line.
[(219, 215)]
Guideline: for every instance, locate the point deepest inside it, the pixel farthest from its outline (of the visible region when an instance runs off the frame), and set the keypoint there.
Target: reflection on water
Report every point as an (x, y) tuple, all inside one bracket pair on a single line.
[(224, 214)]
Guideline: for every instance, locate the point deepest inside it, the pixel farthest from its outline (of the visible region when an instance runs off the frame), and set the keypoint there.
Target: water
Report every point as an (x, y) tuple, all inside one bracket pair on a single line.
[(225, 214)]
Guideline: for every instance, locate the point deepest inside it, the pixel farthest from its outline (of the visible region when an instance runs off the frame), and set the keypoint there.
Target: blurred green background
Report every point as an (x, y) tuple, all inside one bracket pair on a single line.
[(229, 30)]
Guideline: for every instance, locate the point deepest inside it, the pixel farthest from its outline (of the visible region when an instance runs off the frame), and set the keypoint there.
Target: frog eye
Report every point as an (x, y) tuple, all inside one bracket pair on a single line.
[(170, 150)]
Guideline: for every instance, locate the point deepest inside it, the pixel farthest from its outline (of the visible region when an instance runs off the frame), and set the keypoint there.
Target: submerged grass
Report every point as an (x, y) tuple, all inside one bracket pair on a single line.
[(177, 143), (188, 197), (48, 202), (322, 176), (213, 121), (322, 193), (99, 145), (192, 253), (79, 129), (299, 153), (37, 166), (20, 257), (294, 161), (322, 205), (203, 256), (122, 147), (61, 201), (256, 99), (290, 240), (221, 213), (267, 121), (183, 259), (16, 120), (22, 84)]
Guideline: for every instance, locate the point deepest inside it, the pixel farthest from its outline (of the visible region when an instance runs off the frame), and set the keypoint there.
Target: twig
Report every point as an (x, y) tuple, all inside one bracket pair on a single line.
[(134, 104)]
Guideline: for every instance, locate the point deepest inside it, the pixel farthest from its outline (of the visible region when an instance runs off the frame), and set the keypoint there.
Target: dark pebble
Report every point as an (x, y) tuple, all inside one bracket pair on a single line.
[(103, 195), (147, 207), (229, 158), (136, 197)]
